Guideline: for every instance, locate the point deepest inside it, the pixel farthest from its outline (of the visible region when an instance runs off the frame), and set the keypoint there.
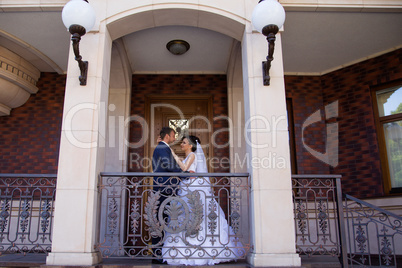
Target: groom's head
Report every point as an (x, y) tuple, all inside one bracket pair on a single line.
[(168, 135)]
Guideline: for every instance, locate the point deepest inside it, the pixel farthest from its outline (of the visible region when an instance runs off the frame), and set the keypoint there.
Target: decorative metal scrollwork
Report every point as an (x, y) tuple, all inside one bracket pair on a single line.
[(361, 239), (151, 208), (184, 221), (196, 215), (301, 219), (135, 215), (24, 215), (386, 250), (315, 215), (180, 126), (174, 210), (4, 214), (178, 217), (322, 216), (112, 216), (45, 215), (212, 216), (134, 218), (26, 212), (235, 215)]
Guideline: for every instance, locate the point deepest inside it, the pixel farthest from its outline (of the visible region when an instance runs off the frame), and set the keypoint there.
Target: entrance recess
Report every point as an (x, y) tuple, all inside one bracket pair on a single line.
[(186, 114)]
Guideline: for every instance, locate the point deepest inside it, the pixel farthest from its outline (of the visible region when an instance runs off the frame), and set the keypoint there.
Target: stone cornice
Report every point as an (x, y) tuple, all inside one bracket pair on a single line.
[(32, 5), (343, 5), (18, 80), (290, 5), (16, 73)]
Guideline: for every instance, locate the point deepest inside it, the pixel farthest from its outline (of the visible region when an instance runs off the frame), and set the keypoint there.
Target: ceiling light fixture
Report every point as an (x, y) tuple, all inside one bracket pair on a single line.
[(178, 47)]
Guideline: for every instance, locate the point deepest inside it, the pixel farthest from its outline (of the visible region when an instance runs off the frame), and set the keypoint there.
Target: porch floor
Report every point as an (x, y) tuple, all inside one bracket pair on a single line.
[(39, 261)]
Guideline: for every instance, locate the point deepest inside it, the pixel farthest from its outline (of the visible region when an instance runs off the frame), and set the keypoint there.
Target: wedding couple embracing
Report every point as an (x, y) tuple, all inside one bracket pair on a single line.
[(203, 239)]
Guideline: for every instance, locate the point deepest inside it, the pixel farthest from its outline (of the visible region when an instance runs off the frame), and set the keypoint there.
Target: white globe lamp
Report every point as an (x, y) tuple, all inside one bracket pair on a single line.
[(268, 17), (79, 18)]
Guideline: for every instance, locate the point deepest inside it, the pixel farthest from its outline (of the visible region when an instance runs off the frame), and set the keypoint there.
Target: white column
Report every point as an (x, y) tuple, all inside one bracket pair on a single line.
[(119, 109), (237, 141), (82, 155), (236, 110), (273, 233), (116, 136)]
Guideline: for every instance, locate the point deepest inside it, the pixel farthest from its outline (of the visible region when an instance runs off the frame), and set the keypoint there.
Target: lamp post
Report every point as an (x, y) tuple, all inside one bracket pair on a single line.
[(79, 17), (268, 17)]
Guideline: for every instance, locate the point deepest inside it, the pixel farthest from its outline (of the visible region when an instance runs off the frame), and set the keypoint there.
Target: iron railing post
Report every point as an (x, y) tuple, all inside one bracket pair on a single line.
[(341, 224)]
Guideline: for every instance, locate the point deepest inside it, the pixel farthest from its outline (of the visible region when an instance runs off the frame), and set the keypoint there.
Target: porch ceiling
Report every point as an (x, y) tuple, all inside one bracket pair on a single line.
[(313, 42)]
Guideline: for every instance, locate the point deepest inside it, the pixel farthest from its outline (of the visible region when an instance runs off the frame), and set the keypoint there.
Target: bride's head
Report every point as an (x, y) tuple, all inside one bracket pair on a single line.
[(189, 142)]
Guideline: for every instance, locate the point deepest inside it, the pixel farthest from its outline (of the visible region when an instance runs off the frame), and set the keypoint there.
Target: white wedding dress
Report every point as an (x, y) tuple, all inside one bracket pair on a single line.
[(215, 241)]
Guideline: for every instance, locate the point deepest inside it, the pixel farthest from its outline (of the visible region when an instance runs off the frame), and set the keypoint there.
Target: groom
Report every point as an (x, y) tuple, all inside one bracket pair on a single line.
[(163, 161)]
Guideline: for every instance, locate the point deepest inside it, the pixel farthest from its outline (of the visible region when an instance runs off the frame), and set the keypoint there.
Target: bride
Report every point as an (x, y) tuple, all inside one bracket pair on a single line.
[(214, 241)]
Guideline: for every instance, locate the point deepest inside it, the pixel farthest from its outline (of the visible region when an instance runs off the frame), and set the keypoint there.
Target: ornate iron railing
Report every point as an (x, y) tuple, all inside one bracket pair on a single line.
[(317, 213), (26, 204), (358, 233), (375, 235), (174, 215)]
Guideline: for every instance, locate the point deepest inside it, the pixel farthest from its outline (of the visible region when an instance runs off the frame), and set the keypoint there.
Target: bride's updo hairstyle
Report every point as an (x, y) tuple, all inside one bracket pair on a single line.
[(192, 141)]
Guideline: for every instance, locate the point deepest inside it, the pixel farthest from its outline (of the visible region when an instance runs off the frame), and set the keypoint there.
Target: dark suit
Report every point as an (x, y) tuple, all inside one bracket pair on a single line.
[(163, 161)]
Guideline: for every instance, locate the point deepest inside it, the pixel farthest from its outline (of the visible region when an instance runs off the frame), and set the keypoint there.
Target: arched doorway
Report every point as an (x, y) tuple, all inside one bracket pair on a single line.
[(145, 55)]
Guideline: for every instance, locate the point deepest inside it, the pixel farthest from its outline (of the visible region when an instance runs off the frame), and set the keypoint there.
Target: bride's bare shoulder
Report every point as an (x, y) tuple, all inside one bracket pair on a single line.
[(192, 155)]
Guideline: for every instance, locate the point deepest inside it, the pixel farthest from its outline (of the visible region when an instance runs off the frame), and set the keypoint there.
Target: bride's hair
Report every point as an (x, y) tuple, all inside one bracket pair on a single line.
[(193, 141)]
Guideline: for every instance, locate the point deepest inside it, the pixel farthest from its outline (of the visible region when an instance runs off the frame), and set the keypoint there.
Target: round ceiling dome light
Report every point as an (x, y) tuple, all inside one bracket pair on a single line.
[(178, 47)]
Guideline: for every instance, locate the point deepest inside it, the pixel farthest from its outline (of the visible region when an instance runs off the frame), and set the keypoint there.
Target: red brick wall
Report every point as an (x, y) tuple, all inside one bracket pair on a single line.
[(30, 136), (306, 95), (214, 85), (359, 159)]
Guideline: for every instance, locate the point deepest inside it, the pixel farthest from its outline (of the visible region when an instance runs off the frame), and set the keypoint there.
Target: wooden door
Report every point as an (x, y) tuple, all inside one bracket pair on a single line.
[(189, 114)]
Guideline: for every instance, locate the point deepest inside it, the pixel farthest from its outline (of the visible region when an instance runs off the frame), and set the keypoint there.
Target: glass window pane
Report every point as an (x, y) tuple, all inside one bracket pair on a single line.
[(389, 101), (180, 126), (393, 140)]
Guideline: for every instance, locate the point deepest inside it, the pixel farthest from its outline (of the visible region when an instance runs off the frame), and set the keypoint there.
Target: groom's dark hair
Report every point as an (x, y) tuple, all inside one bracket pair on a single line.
[(165, 131)]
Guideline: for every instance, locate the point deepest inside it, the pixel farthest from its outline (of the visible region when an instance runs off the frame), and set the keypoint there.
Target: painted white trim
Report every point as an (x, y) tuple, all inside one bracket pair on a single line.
[(289, 5)]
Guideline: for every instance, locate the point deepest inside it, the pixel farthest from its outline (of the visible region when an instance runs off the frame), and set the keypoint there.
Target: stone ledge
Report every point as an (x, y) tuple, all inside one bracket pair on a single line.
[(18, 80)]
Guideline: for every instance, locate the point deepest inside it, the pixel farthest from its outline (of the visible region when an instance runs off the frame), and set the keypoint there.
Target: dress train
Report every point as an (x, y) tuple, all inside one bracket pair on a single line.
[(215, 241)]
